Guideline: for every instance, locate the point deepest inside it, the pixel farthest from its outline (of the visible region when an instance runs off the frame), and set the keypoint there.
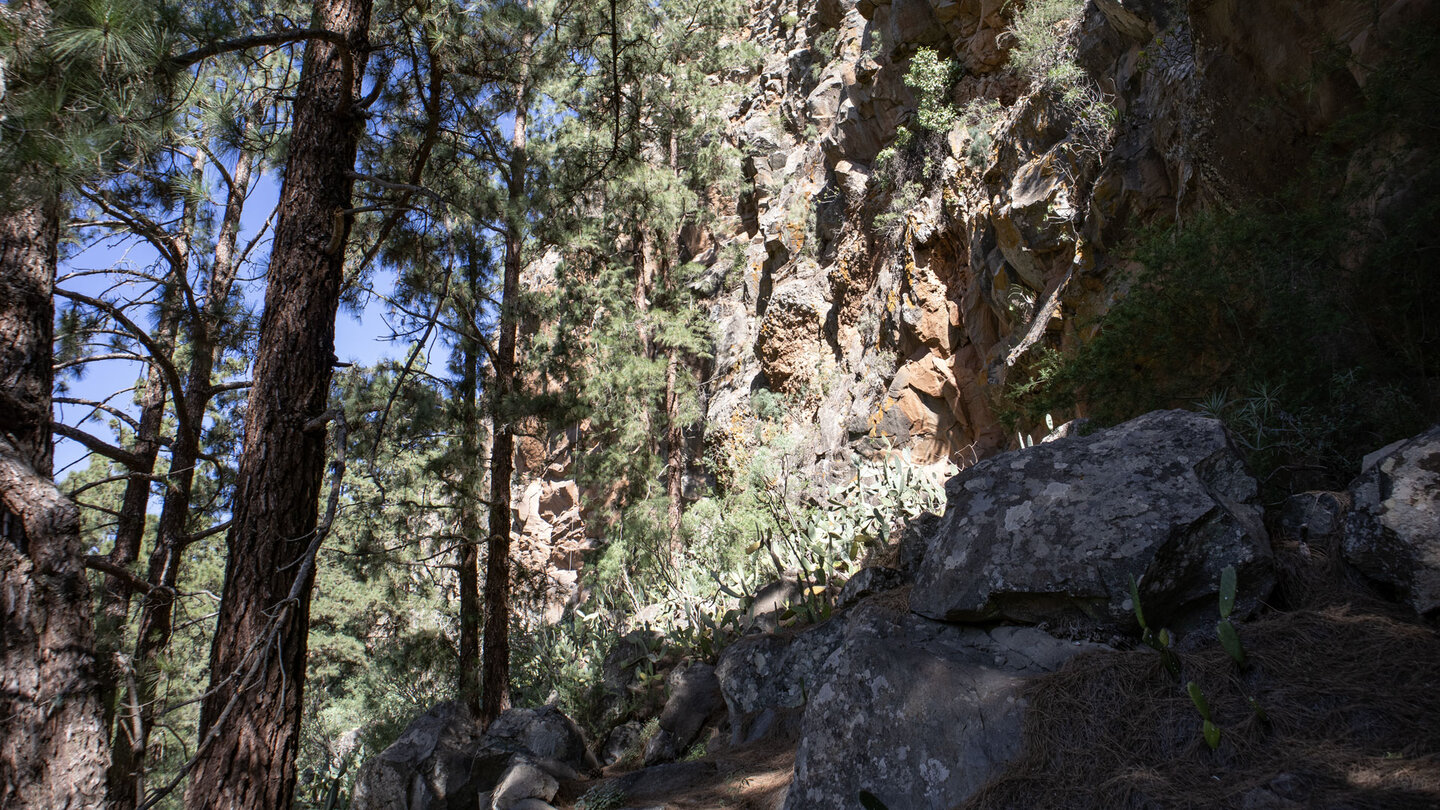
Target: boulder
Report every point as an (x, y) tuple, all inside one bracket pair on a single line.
[(1055, 532), (1315, 518), (543, 732), (523, 780), (917, 712), (868, 582), (663, 781), (769, 602), (442, 761), (619, 741), (765, 678), (429, 766), (695, 699), (1392, 534)]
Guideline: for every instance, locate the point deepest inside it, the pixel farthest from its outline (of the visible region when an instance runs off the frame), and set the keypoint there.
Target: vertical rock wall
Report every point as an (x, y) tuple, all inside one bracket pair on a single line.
[(888, 309)]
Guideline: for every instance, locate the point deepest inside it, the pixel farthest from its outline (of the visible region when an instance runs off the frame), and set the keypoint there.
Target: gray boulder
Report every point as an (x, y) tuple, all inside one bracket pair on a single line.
[(695, 699), (663, 781), (769, 603), (765, 678), (1316, 518), (523, 780), (429, 766), (1054, 532), (917, 712), (868, 582), (442, 761), (1392, 534), (619, 741), (543, 732)]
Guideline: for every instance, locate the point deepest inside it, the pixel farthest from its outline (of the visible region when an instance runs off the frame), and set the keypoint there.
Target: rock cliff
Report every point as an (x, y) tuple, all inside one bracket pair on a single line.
[(879, 290), (893, 299)]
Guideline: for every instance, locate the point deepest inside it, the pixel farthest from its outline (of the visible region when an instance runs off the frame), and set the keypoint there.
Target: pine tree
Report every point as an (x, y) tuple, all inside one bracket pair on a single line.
[(72, 74), (247, 758)]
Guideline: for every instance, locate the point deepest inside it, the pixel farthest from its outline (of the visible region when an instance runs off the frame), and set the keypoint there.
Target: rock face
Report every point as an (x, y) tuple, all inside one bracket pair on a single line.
[(916, 712), (443, 762), (1054, 532), (1392, 534)]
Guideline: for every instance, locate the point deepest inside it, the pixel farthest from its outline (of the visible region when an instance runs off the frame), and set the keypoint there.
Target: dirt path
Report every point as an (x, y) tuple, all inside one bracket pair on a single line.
[(752, 777)]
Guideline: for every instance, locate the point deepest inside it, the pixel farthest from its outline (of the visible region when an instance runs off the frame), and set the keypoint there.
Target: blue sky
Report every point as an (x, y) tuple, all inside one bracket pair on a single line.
[(360, 339)]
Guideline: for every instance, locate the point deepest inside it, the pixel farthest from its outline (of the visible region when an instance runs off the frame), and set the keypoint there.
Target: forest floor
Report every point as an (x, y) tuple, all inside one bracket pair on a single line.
[(751, 777)]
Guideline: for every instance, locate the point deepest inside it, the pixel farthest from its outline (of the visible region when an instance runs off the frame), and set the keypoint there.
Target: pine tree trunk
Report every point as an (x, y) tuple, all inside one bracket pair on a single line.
[(115, 594), (53, 747), (674, 454), (157, 609), (495, 658), (470, 532), (250, 718)]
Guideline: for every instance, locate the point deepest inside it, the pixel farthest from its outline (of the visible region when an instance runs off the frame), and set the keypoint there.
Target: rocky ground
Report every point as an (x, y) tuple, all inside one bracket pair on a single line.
[(1003, 663)]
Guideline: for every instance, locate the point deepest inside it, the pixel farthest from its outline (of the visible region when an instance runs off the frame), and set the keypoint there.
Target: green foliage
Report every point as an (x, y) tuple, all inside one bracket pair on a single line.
[(80, 89), (822, 47), (1197, 697), (1209, 730), (1313, 340), (1228, 588), (1157, 641), (605, 796), (1257, 302), (892, 221), (979, 117), (1229, 637), (931, 78), (767, 405), (1230, 640), (1042, 30), (1045, 53), (382, 646), (826, 540)]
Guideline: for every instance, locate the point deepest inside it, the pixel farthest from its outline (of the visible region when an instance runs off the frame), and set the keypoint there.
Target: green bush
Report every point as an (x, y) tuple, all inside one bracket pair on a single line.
[(1045, 53), (931, 78)]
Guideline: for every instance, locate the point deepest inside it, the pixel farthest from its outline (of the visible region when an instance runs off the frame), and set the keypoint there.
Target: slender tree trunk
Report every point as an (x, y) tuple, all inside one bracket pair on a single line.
[(674, 431), (115, 592), (53, 746), (127, 770), (495, 658), (674, 454), (470, 531), (250, 718)]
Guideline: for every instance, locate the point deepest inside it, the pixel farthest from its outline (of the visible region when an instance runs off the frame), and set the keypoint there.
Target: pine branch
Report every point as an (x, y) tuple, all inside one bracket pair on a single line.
[(190, 58), (95, 445), (104, 566), (158, 355)]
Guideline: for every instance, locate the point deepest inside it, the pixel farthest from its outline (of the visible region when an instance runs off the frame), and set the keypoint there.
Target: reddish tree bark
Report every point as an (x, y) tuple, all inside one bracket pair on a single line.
[(250, 718), (132, 735), (53, 749), (468, 564), (495, 656)]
